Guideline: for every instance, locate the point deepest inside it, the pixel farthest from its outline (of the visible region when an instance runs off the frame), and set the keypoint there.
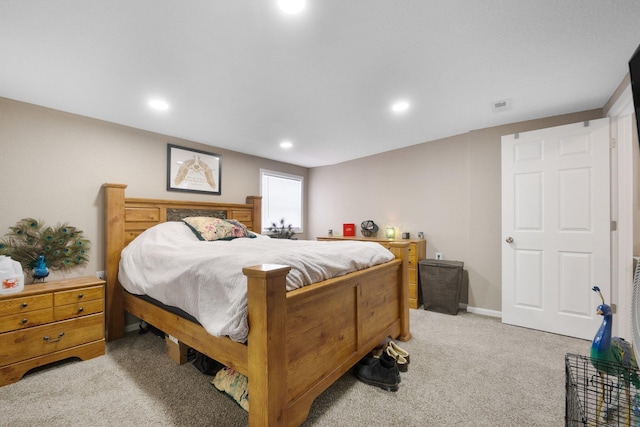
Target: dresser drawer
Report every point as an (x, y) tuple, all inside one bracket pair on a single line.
[(25, 304), (412, 274), (413, 255), (40, 340), (412, 250), (413, 291), (80, 308), (76, 295), (25, 320)]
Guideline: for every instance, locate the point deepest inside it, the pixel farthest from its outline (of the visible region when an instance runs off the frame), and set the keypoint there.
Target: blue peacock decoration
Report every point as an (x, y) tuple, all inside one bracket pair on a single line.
[(41, 249), (40, 271), (613, 356)]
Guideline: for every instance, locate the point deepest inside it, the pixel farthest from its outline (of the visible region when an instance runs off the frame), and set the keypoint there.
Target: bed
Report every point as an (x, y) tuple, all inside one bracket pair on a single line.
[(299, 342)]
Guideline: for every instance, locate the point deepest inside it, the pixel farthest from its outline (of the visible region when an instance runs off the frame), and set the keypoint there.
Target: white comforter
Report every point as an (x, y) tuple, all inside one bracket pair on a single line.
[(168, 262)]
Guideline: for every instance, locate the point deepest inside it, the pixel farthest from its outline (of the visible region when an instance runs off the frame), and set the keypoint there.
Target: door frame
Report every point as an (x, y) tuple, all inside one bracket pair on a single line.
[(622, 201)]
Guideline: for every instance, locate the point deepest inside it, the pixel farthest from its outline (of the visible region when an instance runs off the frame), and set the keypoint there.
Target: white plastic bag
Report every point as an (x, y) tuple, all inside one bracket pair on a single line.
[(11, 276)]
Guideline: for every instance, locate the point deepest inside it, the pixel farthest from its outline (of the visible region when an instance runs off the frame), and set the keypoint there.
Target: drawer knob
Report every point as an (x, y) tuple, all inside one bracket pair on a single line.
[(24, 305), (80, 296), (23, 321), (80, 310), (60, 335)]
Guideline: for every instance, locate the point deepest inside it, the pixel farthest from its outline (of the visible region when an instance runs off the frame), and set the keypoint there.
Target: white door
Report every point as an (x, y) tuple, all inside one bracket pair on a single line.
[(556, 227)]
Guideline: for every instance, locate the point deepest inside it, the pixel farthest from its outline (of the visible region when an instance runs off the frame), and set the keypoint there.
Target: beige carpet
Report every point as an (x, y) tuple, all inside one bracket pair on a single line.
[(466, 370)]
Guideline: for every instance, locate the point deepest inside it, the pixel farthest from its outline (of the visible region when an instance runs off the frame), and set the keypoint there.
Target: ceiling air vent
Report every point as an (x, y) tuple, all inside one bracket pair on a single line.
[(502, 105)]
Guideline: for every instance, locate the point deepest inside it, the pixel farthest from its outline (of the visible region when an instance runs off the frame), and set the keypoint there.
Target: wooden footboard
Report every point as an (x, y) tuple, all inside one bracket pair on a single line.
[(299, 342), (298, 349)]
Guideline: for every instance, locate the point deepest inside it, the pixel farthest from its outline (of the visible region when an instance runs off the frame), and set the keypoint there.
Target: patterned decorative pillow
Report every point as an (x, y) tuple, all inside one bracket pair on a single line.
[(234, 384), (210, 229), (241, 226)]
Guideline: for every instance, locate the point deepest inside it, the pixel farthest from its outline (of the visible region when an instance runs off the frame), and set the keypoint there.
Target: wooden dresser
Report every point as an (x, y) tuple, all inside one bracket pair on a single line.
[(417, 252), (50, 321)]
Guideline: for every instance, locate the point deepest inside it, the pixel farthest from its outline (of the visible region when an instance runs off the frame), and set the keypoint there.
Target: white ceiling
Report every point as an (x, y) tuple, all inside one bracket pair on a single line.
[(240, 75)]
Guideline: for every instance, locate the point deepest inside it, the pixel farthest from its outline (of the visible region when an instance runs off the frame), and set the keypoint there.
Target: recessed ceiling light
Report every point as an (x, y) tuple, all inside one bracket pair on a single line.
[(291, 6), (159, 104), (400, 106), (286, 144)]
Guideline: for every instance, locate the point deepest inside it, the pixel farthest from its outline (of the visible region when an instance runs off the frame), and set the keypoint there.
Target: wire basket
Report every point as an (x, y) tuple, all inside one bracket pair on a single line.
[(586, 390)]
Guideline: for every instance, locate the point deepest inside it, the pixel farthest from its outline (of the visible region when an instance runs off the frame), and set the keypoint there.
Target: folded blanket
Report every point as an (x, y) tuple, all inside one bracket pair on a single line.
[(234, 384)]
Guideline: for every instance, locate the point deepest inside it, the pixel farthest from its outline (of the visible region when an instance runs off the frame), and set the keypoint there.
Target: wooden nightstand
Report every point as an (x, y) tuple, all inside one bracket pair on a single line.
[(417, 252), (48, 322)]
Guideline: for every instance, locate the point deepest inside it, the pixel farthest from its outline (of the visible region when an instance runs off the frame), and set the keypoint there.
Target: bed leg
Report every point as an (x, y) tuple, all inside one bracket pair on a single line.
[(401, 251), (176, 350), (266, 289), (114, 242)]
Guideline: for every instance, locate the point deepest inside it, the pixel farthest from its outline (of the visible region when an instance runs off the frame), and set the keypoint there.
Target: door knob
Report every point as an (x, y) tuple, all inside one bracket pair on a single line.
[(509, 240)]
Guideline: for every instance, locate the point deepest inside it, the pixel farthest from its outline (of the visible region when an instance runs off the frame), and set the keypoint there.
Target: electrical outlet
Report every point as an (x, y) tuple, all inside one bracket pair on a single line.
[(438, 255), (100, 275)]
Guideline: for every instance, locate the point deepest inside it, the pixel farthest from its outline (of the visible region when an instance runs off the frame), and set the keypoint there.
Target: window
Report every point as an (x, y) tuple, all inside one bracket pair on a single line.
[(281, 198)]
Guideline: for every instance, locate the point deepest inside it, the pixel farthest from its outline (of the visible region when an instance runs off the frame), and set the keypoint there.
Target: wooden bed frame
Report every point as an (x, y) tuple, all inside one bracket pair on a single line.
[(299, 342)]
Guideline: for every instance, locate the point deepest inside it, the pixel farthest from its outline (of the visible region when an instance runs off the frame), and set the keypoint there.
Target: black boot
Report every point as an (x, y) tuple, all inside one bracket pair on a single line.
[(390, 360), (381, 372)]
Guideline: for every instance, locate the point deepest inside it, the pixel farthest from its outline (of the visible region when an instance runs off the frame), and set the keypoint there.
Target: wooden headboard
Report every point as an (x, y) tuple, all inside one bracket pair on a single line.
[(126, 218)]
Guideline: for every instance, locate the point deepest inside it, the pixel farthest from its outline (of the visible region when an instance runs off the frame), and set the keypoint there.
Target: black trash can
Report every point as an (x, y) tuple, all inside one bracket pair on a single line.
[(440, 282)]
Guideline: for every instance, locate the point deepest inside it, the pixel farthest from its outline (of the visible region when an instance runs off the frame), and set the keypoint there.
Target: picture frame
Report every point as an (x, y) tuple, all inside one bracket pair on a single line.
[(193, 170)]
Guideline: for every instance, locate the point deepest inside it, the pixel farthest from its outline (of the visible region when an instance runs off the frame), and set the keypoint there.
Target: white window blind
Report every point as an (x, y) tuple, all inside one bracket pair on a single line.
[(281, 198)]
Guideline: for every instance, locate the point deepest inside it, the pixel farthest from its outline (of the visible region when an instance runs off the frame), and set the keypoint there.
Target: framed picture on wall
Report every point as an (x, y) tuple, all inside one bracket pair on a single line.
[(193, 170)]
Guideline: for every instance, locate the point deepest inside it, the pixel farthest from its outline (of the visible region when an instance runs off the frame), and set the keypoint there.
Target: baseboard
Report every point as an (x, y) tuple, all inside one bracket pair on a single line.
[(475, 310), (483, 311)]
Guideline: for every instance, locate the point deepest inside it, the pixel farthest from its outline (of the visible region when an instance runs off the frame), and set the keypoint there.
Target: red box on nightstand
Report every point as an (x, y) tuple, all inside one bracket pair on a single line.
[(348, 230)]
